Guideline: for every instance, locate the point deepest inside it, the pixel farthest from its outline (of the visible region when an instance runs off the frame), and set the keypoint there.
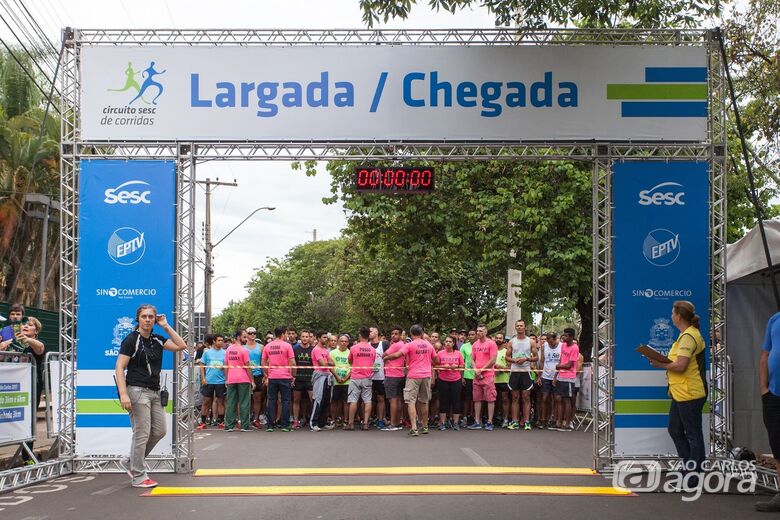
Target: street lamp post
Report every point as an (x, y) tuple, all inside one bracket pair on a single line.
[(209, 270)]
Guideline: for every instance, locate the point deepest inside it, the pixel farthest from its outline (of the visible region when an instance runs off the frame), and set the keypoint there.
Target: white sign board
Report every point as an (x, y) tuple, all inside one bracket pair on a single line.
[(15, 402), (473, 93)]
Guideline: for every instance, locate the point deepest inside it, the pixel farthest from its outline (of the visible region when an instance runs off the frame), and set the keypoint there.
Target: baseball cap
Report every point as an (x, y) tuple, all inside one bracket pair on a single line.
[(453, 329), (251, 329)]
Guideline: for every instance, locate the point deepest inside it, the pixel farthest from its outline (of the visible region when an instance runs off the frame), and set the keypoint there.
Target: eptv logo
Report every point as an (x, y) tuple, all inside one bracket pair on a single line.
[(126, 246), (664, 194), (661, 247), (128, 196)]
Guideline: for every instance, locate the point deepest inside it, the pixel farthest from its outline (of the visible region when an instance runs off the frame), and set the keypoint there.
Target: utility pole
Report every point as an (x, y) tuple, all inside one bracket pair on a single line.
[(208, 270), (314, 235)]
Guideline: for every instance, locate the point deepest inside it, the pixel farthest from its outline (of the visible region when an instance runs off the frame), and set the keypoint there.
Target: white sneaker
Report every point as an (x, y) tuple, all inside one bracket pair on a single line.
[(315, 428), (263, 419)]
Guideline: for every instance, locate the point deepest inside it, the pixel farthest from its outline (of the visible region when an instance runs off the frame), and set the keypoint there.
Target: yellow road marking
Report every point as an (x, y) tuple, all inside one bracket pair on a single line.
[(435, 489), (411, 470)]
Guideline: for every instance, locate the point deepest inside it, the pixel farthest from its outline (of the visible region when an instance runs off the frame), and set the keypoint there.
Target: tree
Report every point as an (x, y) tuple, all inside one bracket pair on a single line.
[(540, 13)]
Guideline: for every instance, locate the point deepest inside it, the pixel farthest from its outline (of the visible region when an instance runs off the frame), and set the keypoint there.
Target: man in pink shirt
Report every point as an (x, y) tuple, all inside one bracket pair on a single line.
[(240, 383), (394, 379), (564, 381), (320, 382), (361, 356), (279, 357), (484, 352), (419, 356)]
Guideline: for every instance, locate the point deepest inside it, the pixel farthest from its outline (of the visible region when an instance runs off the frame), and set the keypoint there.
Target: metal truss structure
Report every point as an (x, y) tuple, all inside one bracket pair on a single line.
[(188, 154)]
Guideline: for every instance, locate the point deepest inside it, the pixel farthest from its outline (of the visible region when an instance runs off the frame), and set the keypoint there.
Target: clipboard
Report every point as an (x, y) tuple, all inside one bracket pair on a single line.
[(651, 353)]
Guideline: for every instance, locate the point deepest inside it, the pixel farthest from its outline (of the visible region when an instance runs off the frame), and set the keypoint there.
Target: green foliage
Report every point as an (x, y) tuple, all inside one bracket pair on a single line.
[(541, 13)]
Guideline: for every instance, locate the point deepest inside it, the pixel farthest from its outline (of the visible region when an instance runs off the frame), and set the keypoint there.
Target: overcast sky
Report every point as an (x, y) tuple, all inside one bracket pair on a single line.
[(297, 198)]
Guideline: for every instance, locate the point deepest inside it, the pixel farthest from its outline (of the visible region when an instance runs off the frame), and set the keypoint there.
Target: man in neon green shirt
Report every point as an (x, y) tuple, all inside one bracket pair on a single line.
[(342, 369), (502, 378), (468, 377)]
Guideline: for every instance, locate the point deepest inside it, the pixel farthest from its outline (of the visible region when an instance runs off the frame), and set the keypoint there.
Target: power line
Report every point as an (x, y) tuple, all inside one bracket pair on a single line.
[(41, 34), (30, 55)]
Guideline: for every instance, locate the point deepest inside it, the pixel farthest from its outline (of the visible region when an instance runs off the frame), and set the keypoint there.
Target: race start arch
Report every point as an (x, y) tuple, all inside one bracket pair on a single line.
[(141, 108)]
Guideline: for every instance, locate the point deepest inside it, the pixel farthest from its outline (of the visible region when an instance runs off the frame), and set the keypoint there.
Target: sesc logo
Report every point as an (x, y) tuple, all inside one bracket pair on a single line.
[(664, 194), (124, 196), (661, 247), (126, 246)]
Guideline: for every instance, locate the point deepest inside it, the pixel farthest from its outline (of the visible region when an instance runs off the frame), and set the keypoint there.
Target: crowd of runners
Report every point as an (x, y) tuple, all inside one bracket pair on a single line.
[(323, 381)]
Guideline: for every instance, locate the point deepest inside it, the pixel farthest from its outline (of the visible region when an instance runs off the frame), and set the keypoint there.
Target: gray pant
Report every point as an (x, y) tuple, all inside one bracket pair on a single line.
[(147, 417)]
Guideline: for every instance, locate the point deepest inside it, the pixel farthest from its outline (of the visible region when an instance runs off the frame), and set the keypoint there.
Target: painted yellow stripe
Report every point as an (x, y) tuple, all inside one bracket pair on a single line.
[(440, 489), (412, 470)]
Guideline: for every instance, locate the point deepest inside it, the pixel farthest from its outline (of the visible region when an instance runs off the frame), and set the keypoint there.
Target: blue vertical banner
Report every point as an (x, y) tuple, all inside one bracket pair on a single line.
[(127, 233), (661, 254)]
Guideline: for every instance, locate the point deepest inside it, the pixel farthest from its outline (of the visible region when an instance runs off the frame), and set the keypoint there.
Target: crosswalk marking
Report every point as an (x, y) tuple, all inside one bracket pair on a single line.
[(407, 489), (393, 470)]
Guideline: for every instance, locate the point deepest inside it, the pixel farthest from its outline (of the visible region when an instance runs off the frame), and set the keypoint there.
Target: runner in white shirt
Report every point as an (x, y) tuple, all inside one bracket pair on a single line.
[(550, 357), (521, 355)]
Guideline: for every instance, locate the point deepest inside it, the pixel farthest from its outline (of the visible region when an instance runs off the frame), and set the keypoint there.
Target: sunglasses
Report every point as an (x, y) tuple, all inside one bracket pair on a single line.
[(252, 333)]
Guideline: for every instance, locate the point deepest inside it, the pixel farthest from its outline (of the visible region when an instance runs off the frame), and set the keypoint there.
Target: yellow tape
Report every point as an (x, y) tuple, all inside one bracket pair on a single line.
[(393, 470), (429, 489)]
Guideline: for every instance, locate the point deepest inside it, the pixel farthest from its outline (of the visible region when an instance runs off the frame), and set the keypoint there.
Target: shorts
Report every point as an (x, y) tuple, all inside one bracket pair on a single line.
[(564, 388), (393, 387), (502, 388), (770, 404), (378, 387), (484, 390), (217, 391), (417, 390), (520, 381), (359, 389), (302, 385), (339, 393), (258, 383), (547, 386)]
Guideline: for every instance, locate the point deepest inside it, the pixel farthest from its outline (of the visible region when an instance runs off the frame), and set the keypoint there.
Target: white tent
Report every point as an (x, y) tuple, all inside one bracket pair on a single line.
[(749, 304)]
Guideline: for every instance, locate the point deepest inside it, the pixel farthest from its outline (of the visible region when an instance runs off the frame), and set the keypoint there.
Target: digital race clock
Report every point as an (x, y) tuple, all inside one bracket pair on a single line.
[(394, 179)]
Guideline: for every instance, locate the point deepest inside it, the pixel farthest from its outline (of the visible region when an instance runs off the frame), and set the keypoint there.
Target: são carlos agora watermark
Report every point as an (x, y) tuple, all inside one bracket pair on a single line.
[(717, 476)]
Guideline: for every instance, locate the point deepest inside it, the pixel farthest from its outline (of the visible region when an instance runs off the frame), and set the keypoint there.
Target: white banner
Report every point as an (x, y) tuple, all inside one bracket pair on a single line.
[(384, 92), (15, 402), (55, 396)]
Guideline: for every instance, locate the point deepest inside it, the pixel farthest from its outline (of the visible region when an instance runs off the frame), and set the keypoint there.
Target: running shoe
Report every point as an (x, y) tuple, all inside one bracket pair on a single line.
[(475, 426), (407, 424), (505, 424), (527, 426), (221, 426), (489, 426), (381, 424), (246, 429), (424, 430), (514, 425), (201, 426), (148, 483), (295, 424), (263, 419), (442, 427), (456, 427), (256, 423), (413, 432), (315, 428), (349, 427), (229, 429), (270, 428), (329, 426), (287, 429)]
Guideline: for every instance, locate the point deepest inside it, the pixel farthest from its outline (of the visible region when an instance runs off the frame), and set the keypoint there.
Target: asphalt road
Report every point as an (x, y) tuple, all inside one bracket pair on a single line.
[(110, 496)]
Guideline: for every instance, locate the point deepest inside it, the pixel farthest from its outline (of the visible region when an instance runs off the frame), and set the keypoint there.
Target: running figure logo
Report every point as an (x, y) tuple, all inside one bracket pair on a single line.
[(131, 83)]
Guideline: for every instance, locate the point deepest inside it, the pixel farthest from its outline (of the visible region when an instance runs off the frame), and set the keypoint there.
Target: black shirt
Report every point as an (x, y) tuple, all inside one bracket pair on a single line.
[(303, 359), (145, 359)]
